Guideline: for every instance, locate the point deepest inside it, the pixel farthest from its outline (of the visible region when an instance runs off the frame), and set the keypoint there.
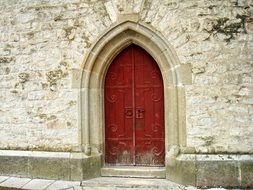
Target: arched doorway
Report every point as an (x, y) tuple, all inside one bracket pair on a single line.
[(90, 81), (134, 110)]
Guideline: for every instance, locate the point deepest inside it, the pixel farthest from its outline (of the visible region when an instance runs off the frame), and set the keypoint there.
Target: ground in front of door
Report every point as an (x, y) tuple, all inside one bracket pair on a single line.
[(101, 183)]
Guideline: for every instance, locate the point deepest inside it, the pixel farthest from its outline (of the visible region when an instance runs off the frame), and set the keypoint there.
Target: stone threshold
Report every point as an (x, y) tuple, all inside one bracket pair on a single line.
[(134, 172)]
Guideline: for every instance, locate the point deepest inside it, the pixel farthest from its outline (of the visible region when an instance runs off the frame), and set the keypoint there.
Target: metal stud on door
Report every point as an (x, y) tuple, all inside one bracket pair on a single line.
[(134, 110)]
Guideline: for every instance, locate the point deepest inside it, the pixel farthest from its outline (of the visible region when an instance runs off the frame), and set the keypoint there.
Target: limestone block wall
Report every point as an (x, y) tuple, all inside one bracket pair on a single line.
[(41, 42)]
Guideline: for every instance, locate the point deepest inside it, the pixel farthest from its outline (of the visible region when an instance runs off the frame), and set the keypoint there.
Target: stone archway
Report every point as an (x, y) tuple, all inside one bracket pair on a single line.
[(91, 103)]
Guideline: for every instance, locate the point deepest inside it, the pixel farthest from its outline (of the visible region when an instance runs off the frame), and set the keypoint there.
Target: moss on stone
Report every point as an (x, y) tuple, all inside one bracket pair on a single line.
[(42, 116), (51, 117), (23, 77), (63, 63), (68, 32), (44, 85), (227, 27), (208, 140), (30, 35), (14, 91), (8, 48), (46, 117), (6, 59), (7, 70), (72, 102), (212, 6), (87, 41), (57, 18), (54, 76), (215, 98)]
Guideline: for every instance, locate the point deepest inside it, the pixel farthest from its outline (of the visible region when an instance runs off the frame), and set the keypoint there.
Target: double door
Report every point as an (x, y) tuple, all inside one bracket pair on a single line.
[(134, 110)]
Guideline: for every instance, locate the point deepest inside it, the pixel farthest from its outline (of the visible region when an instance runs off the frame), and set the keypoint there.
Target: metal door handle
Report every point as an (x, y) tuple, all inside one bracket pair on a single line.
[(128, 112), (139, 113)]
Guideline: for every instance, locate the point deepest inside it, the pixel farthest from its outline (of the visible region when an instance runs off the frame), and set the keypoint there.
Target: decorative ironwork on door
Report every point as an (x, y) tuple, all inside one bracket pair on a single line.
[(134, 110)]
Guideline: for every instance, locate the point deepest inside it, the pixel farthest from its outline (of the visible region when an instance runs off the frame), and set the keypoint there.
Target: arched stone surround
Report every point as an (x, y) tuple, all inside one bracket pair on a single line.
[(95, 65)]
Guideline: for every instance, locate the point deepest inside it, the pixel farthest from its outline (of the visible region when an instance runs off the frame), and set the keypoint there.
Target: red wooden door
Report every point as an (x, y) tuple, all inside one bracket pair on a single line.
[(134, 110)]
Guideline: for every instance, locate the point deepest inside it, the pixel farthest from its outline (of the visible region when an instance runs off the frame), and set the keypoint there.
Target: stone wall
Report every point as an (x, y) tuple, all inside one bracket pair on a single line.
[(42, 41)]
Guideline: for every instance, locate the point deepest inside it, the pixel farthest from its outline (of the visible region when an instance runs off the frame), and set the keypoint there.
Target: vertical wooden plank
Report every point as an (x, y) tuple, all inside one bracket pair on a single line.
[(119, 111), (149, 98)]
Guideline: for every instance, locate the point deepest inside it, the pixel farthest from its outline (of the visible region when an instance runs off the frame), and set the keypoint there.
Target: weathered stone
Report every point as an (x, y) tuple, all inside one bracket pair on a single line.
[(214, 171), (182, 169), (203, 49), (63, 185), (3, 178), (76, 166), (14, 166), (49, 168), (91, 167), (39, 184), (246, 168), (6, 59), (15, 182)]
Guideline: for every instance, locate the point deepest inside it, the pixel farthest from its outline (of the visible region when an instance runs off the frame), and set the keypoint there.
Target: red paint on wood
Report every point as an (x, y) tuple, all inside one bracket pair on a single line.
[(134, 110)]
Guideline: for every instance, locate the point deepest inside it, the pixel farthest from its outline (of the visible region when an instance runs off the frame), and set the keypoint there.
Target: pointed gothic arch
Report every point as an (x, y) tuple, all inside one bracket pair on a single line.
[(94, 69)]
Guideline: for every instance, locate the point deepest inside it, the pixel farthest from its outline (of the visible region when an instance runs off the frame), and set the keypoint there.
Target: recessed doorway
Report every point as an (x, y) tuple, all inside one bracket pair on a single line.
[(134, 110)]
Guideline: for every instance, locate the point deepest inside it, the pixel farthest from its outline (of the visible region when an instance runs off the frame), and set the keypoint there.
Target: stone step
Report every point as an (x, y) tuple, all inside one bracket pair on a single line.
[(142, 172)]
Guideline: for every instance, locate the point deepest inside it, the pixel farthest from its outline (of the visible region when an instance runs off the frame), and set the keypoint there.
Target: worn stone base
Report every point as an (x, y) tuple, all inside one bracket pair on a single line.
[(209, 170), (202, 170), (49, 165)]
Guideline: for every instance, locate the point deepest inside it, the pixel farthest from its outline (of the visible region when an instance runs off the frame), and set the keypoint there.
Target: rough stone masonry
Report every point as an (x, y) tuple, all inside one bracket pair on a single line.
[(43, 41)]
